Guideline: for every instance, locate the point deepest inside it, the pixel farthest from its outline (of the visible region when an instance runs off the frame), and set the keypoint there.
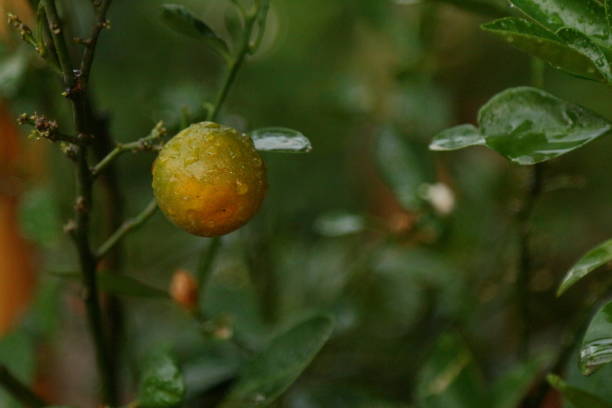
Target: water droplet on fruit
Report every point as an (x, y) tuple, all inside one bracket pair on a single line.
[(241, 187)]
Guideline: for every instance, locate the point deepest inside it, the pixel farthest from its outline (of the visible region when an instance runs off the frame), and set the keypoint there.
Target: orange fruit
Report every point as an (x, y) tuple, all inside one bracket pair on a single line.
[(209, 180)]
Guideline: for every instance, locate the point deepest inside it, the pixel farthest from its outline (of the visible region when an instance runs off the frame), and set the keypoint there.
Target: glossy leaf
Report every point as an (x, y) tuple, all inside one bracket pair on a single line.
[(161, 384), (535, 40), (272, 371), (457, 137), (281, 140), (184, 22), (597, 344), (583, 44), (528, 125), (586, 16), (402, 168), (577, 397), (595, 258), (450, 378), (126, 286)]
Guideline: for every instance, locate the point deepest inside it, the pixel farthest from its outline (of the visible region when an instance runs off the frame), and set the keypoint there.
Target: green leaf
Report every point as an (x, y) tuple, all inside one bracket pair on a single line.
[(595, 258), (161, 384), (450, 378), (583, 44), (272, 371), (528, 125), (184, 22), (126, 286), (535, 40), (402, 166), (456, 138), (597, 343), (281, 140), (586, 16), (577, 397)]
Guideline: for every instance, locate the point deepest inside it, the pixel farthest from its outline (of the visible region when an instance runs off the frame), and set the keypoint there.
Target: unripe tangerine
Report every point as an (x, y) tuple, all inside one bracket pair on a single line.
[(209, 180)]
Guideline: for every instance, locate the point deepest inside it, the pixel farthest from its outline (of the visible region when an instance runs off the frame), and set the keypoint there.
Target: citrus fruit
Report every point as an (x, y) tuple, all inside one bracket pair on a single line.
[(209, 180)]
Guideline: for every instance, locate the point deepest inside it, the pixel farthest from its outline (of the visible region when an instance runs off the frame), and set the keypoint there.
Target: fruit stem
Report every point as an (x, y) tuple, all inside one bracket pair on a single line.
[(19, 390), (235, 64), (148, 142), (126, 228)]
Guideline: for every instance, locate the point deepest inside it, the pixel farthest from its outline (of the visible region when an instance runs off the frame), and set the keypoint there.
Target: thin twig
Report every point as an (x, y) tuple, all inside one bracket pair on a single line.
[(90, 46), (126, 227), (19, 390), (148, 142)]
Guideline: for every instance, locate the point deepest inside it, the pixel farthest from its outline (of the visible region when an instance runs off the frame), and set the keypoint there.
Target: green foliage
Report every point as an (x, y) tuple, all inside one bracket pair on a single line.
[(282, 140), (597, 344), (184, 22), (535, 40), (529, 126), (161, 383), (272, 371), (595, 258), (578, 397)]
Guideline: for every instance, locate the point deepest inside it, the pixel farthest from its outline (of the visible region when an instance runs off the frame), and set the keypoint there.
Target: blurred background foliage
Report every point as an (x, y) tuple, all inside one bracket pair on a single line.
[(420, 281)]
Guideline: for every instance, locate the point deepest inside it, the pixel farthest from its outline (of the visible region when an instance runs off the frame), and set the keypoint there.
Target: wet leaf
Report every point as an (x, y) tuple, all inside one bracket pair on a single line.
[(272, 371), (583, 44), (184, 22), (596, 347), (535, 40), (595, 258), (457, 137), (585, 16), (528, 125), (161, 384), (577, 397), (281, 140)]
